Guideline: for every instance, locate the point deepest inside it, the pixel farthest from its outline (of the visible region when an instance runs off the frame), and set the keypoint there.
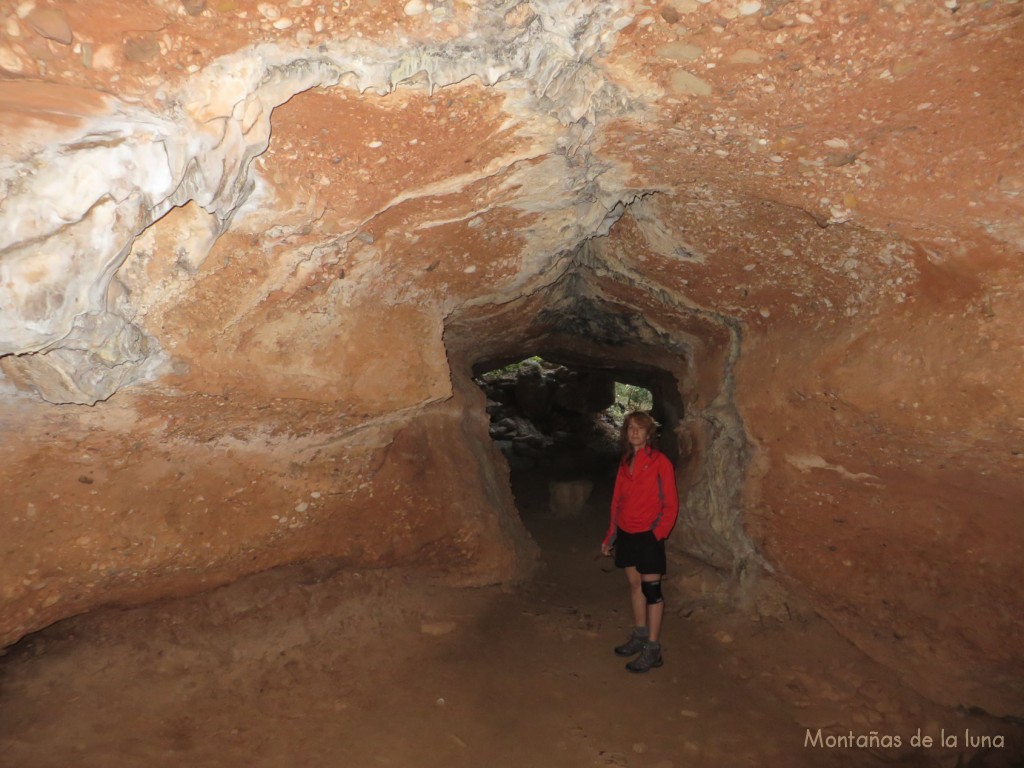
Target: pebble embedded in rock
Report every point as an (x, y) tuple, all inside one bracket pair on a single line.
[(680, 51), (51, 24), (836, 159), (141, 49), (193, 7), (745, 56), (10, 62), (415, 7), (687, 82), (520, 16), (902, 68), (1011, 186), (104, 58), (268, 11)]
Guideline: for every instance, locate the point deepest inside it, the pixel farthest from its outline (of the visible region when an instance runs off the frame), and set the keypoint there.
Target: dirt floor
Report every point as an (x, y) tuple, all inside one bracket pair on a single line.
[(315, 666)]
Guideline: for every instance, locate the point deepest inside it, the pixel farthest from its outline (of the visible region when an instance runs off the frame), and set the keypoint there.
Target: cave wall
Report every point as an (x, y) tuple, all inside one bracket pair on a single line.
[(877, 443), (250, 253), (152, 496), (909, 490)]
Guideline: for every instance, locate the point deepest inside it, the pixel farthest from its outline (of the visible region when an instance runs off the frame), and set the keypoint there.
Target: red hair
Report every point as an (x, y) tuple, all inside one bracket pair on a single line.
[(641, 419)]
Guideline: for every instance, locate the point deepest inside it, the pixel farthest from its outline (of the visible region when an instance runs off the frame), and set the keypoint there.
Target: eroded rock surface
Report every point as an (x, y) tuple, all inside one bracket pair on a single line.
[(250, 254)]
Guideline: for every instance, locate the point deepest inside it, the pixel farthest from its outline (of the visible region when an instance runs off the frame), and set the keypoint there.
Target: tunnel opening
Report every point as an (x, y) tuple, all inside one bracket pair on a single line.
[(537, 408), (629, 398), (556, 418), (546, 411), (595, 320)]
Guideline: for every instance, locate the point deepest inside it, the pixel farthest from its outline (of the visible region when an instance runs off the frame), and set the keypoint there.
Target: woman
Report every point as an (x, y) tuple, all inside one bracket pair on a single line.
[(644, 510)]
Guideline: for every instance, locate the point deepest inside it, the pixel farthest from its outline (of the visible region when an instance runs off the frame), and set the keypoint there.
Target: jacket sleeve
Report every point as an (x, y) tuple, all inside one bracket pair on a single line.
[(669, 499)]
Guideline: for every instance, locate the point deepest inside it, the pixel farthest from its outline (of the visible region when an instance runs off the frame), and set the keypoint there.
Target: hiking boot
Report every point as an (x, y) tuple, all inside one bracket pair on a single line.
[(634, 645), (650, 656)]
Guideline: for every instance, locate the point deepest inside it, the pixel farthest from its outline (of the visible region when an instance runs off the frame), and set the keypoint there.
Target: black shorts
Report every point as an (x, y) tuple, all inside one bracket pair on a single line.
[(640, 550)]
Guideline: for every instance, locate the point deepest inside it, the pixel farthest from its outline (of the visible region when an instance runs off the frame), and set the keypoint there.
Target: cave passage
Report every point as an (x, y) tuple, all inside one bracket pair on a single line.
[(557, 425)]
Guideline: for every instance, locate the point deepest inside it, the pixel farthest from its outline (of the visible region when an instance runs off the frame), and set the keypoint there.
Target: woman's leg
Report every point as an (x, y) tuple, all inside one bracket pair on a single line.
[(636, 597), (654, 609), (652, 612)]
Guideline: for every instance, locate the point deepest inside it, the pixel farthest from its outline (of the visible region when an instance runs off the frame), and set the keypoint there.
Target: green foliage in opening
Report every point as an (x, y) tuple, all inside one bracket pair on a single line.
[(514, 368), (629, 397)]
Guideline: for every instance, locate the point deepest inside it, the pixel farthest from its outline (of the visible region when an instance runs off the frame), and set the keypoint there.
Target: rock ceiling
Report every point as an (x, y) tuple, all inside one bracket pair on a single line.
[(250, 253)]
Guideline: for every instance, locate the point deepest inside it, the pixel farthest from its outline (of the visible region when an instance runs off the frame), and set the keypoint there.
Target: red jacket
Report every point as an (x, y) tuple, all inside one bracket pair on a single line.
[(645, 500)]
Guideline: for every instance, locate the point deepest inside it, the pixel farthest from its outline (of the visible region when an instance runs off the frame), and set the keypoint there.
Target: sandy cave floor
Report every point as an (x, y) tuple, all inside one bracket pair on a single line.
[(314, 666)]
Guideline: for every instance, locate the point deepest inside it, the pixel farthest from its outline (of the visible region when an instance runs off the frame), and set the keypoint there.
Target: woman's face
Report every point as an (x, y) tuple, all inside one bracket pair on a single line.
[(636, 435)]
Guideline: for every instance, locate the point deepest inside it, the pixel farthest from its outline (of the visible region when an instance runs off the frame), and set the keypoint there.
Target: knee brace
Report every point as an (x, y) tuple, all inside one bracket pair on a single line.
[(652, 591)]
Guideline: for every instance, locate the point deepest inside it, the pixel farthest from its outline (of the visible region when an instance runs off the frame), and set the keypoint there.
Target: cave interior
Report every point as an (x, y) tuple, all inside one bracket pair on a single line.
[(259, 260)]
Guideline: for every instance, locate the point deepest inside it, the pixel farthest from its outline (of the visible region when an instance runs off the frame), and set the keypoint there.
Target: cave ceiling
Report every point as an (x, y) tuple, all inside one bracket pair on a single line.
[(772, 156)]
